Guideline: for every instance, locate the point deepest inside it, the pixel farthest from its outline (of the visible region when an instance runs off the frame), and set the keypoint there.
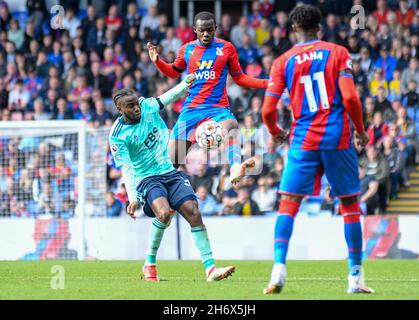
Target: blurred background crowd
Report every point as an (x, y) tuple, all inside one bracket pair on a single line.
[(71, 73)]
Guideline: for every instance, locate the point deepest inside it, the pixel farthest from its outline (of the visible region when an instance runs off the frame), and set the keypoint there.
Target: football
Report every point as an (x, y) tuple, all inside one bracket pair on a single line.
[(209, 135)]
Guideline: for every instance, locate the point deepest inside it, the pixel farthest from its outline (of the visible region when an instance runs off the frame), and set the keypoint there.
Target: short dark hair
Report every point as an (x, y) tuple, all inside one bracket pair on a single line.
[(121, 93), (203, 16), (307, 17)]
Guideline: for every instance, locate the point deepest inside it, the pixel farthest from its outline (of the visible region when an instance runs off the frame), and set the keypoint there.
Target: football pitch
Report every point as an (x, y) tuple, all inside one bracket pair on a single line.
[(184, 280)]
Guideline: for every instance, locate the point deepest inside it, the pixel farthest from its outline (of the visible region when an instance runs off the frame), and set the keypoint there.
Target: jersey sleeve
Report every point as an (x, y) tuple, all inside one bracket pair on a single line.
[(180, 63), (234, 67), (119, 151), (151, 105), (344, 60), (276, 85)]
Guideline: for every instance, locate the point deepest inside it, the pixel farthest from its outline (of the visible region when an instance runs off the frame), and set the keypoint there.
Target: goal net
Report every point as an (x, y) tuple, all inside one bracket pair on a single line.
[(52, 177)]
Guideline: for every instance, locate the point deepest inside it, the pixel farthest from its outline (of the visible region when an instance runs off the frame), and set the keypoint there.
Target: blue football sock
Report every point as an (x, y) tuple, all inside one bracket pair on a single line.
[(283, 230), (353, 236)]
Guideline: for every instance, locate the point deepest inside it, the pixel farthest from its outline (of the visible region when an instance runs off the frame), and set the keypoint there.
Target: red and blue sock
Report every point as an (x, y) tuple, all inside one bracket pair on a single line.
[(288, 209), (233, 151), (353, 236)]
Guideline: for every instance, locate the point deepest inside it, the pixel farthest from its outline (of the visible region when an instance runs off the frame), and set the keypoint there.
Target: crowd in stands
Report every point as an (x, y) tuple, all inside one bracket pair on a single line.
[(72, 72)]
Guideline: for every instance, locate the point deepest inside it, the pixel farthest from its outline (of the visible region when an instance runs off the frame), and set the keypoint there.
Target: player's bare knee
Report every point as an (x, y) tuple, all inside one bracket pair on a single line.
[(164, 215)]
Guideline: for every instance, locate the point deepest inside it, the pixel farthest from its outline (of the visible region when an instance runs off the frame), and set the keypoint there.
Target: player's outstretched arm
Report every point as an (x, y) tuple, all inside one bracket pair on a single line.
[(164, 67), (178, 91), (237, 73), (353, 105), (244, 80)]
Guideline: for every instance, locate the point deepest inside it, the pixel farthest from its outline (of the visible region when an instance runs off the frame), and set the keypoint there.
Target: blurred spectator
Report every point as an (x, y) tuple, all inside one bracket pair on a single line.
[(279, 42), (113, 21), (366, 61), (101, 117), (247, 52), (408, 131), (151, 20), (405, 14), (377, 167), (404, 57), (369, 111), (96, 35), (266, 8), (160, 32), (395, 87), (377, 82), (39, 110), (84, 112), (140, 83), (170, 42), (201, 178), (224, 29), (411, 99), (113, 205), (265, 197), (16, 34), (81, 92), (386, 63), (381, 103), (208, 206), (255, 17), (62, 112), (19, 97), (248, 130), (378, 129), (4, 95), (5, 16), (369, 192), (409, 74), (396, 163), (89, 21), (238, 32), (359, 75), (245, 206), (71, 22), (262, 33), (382, 12)]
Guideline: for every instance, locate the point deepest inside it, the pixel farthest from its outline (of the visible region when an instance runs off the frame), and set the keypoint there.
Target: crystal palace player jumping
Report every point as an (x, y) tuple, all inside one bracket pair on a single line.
[(319, 80), (210, 59)]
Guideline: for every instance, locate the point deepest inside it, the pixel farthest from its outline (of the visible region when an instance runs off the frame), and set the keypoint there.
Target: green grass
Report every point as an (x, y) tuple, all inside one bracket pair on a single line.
[(392, 279)]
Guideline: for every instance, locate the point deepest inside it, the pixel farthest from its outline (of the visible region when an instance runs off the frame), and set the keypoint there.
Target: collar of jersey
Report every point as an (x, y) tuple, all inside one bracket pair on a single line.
[(308, 42), (200, 44)]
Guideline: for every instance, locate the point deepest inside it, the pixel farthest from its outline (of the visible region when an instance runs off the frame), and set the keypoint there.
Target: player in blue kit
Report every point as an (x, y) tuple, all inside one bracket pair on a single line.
[(138, 141)]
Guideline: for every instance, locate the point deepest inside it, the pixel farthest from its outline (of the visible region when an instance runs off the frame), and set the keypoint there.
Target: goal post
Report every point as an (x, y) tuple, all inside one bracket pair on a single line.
[(53, 171)]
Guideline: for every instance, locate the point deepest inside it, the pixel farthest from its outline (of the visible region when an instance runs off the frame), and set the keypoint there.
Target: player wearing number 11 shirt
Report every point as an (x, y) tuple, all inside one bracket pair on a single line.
[(318, 77)]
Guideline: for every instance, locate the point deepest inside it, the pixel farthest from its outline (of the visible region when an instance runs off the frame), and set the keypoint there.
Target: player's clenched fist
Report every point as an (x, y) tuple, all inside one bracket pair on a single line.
[(152, 52), (280, 137), (190, 78), (361, 140)]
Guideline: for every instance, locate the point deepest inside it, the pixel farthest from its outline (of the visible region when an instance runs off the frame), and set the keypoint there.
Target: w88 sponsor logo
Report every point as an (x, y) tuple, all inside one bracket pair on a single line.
[(205, 75)]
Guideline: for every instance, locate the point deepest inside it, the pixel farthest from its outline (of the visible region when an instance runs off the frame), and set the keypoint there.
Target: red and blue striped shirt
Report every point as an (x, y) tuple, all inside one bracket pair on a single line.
[(310, 71), (211, 64)]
